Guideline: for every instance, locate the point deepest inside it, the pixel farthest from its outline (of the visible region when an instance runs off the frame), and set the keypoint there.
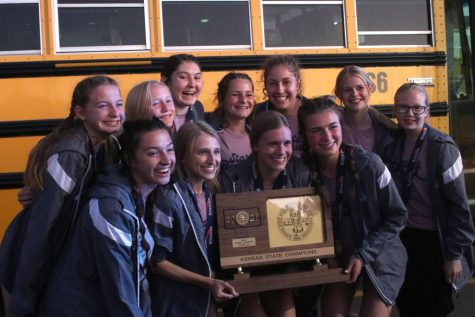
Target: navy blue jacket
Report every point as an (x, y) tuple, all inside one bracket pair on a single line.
[(379, 215), (449, 199), (178, 232), (238, 178), (384, 129), (102, 269), (35, 238), (195, 112)]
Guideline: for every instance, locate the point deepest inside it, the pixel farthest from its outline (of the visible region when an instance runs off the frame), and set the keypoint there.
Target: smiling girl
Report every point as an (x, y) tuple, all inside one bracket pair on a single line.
[(59, 169), (104, 269), (367, 213), (182, 74), (151, 99), (269, 167), (283, 88), (230, 119), (427, 168), (361, 123), (183, 226)]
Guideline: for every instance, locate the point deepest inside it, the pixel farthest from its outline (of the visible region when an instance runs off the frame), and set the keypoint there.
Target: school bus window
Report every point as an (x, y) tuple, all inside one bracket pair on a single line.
[(206, 24), (388, 22), (102, 25), (20, 27), (303, 24)]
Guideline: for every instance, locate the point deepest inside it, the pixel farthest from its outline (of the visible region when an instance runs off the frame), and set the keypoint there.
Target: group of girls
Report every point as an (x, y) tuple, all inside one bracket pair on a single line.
[(140, 238)]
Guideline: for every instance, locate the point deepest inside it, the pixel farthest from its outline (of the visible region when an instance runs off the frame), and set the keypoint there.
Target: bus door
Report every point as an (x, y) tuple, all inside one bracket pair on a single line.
[(460, 20)]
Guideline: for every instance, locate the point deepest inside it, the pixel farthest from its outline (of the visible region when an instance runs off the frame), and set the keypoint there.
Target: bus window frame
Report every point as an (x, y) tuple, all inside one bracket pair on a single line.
[(202, 48), (40, 29), (104, 48), (358, 32), (304, 2)]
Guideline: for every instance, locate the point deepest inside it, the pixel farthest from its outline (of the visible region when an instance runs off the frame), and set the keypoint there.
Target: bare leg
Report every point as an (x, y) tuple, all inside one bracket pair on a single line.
[(336, 299), (372, 305), (250, 305), (212, 309), (279, 303)]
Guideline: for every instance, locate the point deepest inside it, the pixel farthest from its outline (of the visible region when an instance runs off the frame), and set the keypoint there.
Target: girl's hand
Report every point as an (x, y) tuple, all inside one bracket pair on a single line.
[(222, 291), (354, 269), (25, 196), (452, 270)]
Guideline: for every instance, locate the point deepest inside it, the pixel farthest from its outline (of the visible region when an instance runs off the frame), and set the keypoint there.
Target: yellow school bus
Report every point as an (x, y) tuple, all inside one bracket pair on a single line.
[(47, 46)]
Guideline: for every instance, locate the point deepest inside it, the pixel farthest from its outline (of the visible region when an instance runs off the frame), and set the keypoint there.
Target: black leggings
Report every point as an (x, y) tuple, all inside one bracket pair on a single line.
[(425, 291)]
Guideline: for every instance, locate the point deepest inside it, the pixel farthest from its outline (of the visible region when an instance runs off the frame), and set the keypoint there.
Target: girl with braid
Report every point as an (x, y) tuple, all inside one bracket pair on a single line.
[(184, 230), (59, 170), (104, 268), (367, 213)]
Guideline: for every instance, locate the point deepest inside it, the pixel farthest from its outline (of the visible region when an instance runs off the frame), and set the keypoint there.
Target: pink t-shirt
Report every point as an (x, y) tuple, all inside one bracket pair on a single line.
[(201, 200), (421, 215), (297, 142), (234, 147), (363, 137), (179, 121)]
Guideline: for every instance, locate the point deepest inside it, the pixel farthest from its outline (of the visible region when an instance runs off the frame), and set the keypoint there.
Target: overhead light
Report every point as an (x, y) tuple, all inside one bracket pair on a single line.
[(204, 20)]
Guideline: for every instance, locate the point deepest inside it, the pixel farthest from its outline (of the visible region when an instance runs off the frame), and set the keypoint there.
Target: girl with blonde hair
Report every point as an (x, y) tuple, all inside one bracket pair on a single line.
[(361, 123), (183, 225), (151, 99)]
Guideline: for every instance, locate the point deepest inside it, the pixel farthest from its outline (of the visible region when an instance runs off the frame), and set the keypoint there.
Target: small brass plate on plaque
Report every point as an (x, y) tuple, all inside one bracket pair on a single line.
[(244, 242), (238, 218)]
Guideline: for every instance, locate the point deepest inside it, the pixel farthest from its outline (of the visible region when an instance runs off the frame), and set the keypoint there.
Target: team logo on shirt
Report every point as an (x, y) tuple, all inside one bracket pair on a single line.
[(295, 221)]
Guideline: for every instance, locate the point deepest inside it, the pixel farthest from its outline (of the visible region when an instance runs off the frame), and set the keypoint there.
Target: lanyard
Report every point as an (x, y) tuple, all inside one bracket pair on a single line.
[(340, 184), (94, 155), (279, 183), (409, 170), (208, 221), (142, 245), (337, 206)]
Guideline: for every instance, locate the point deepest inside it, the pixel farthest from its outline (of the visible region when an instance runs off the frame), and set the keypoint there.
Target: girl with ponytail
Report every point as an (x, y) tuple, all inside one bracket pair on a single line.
[(103, 270), (58, 171)]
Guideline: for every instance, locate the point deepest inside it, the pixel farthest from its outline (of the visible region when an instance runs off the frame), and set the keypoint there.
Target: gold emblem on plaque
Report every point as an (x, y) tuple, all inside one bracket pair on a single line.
[(295, 221), (242, 218)]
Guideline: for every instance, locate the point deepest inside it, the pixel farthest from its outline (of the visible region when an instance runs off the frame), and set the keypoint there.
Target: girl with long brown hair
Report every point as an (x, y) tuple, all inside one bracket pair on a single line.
[(58, 171)]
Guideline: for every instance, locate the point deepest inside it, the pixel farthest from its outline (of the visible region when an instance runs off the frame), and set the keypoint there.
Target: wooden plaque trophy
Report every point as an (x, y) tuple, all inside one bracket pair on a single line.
[(260, 229)]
